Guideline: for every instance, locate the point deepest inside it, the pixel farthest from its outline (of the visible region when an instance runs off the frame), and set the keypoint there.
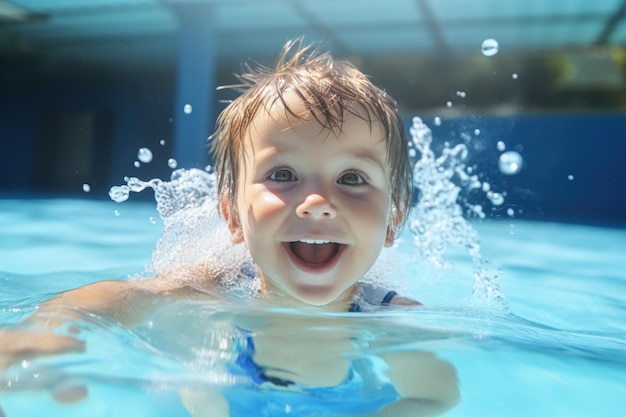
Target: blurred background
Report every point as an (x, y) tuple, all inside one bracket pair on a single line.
[(84, 84)]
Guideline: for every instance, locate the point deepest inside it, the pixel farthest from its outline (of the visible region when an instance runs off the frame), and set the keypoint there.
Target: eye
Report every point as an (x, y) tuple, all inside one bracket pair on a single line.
[(351, 178), (282, 175)]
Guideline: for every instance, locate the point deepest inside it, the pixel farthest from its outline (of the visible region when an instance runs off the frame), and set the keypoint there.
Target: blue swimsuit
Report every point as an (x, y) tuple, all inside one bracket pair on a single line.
[(363, 391)]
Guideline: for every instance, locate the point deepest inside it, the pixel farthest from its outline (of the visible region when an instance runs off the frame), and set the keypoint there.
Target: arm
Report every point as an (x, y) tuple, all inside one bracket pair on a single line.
[(428, 386), (126, 302)]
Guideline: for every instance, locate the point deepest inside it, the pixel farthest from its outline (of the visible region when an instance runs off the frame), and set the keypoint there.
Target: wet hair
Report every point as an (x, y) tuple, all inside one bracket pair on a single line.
[(328, 89)]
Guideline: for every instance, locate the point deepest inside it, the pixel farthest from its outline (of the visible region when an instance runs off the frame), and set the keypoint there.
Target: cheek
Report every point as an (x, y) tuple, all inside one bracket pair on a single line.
[(375, 208), (262, 205)]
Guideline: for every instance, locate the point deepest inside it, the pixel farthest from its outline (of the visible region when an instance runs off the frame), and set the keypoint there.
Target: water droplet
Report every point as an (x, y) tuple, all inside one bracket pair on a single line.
[(152, 220), (187, 109), (570, 177), (116, 213), (172, 163), (495, 198), (501, 146), (144, 155), (162, 142), (514, 76), (489, 47), (119, 193), (510, 163), (449, 104), (437, 121), (86, 188)]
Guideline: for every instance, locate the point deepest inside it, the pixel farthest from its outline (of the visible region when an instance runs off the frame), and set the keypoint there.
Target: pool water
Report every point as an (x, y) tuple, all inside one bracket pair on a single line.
[(553, 346)]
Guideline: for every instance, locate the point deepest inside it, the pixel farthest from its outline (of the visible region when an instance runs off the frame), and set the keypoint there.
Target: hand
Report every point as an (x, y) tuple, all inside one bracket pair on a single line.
[(18, 348)]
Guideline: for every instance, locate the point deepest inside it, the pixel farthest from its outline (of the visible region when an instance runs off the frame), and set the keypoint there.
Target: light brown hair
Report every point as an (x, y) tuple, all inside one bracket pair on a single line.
[(328, 89)]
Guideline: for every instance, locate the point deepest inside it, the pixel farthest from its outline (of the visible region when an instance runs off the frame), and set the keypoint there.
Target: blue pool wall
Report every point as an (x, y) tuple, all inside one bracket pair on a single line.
[(573, 163), (588, 146)]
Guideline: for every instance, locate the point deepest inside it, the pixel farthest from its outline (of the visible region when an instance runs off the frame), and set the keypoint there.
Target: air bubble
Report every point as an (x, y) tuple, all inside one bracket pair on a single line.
[(510, 212), (162, 142), (489, 47), (144, 155), (137, 164), (510, 163), (570, 177), (501, 146), (449, 104), (476, 132), (86, 188), (116, 213), (437, 121), (514, 76), (187, 109), (412, 153), (152, 220), (172, 163)]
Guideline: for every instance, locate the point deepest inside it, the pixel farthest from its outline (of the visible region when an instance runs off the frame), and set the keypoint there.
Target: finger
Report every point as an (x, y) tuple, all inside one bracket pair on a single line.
[(34, 344), (68, 394)]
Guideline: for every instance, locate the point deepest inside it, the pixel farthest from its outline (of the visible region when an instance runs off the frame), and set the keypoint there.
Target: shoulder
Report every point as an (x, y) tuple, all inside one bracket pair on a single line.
[(376, 295), (185, 280)]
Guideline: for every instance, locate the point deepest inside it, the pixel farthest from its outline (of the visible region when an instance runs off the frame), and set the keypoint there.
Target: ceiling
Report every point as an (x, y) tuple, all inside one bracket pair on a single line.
[(145, 33)]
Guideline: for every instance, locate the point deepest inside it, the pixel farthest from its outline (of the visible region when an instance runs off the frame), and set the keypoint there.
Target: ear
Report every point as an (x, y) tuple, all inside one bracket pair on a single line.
[(395, 220), (231, 215)]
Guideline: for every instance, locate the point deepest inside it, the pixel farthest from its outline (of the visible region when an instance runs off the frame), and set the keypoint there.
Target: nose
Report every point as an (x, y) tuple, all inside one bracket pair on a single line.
[(316, 206)]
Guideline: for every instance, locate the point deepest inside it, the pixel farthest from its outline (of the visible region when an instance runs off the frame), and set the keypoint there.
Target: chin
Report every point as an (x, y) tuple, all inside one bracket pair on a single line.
[(317, 295), (320, 295)]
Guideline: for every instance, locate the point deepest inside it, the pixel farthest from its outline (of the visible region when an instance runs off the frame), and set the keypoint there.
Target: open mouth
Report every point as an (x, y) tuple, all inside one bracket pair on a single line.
[(314, 254)]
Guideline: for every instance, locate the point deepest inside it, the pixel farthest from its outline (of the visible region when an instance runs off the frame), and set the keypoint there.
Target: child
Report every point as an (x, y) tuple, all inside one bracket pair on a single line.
[(314, 177)]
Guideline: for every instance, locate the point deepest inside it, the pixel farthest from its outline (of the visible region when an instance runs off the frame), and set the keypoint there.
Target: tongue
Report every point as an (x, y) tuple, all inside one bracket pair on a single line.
[(314, 254)]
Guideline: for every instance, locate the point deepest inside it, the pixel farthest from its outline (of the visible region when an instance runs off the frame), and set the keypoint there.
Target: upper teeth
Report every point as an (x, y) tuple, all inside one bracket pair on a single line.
[(314, 241)]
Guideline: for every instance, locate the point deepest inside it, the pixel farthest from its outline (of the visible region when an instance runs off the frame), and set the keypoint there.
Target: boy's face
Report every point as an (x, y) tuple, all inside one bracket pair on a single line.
[(313, 208)]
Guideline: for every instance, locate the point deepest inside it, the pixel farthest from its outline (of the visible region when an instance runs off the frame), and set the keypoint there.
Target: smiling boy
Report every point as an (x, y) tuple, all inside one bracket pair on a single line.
[(315, 175), (314, 178)]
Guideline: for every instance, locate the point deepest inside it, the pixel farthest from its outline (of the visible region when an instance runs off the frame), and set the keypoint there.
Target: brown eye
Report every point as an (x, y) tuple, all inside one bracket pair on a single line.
[(282, 175), (351, 178)]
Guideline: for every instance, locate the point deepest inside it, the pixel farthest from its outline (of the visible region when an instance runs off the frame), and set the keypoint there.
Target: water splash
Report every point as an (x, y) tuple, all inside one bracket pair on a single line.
[(195, 233), (437, 220)]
